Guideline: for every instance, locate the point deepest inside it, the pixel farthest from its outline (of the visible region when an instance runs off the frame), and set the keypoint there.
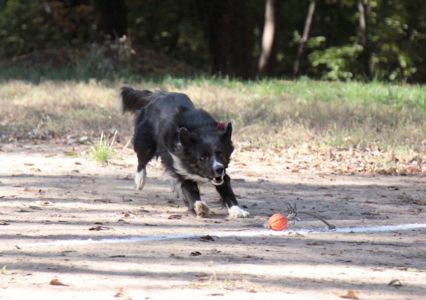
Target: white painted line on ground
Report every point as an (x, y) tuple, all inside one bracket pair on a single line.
[(248, 233)]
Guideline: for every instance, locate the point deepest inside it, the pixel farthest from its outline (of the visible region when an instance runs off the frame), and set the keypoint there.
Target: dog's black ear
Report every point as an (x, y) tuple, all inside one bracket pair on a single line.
[(185, 137), (228, 132)]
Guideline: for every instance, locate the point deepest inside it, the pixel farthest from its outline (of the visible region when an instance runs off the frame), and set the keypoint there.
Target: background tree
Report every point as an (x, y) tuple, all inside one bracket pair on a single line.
[(228, 28), (364, 11), (267, 37), (112, 17), (305, 36)]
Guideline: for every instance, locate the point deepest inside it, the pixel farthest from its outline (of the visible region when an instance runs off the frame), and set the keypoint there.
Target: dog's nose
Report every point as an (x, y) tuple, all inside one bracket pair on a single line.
[(219, 170)]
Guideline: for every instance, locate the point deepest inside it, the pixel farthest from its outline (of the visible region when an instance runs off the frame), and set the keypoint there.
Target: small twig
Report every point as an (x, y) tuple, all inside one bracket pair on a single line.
[(113, 138), (127, 144), (330, 226), (292, 213)]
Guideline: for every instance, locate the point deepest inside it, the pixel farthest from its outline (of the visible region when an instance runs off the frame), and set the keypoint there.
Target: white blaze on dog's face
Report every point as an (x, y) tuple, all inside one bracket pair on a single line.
[(206, 154)]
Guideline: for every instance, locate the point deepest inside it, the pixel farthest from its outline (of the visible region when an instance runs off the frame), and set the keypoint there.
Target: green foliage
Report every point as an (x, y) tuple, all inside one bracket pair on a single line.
[(27, 26), (112, 57), (337, 60), (23, 25), (395, 37), (175, 29), (103, 151)]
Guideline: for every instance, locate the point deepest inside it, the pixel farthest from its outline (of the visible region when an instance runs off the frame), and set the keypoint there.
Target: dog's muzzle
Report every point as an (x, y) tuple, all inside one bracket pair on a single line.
[(218, 180), (219, 172)]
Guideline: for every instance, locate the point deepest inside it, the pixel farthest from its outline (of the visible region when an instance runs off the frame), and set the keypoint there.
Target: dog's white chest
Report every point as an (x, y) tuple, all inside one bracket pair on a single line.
[(180, 169)]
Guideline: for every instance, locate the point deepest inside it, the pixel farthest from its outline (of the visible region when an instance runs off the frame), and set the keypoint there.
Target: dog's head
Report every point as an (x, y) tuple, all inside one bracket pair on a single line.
[(206, 152)]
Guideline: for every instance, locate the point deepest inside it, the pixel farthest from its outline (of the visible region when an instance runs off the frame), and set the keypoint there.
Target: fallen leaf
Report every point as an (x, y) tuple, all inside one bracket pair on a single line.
[(70, 153), (119, 292), (195, 253), (395, 283), (56, 281), (420, 201), (102, 200), (350, 295), (99, 228), (35, 207), (177, 217), (122, 295), (4, 223), (314, 244), (206, 238)]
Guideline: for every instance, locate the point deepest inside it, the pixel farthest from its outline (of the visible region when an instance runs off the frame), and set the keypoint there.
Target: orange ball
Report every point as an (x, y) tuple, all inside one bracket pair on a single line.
[(278, 222)]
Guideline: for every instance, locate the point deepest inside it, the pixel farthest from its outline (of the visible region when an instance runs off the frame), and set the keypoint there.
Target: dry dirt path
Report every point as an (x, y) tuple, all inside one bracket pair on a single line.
[(51, 195)]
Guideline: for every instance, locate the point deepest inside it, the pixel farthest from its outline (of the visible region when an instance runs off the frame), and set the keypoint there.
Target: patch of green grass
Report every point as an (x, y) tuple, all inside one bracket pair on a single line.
[(103, 151)]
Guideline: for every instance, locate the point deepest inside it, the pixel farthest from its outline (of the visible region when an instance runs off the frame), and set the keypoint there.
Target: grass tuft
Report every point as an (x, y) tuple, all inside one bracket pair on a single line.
[(103, 151)]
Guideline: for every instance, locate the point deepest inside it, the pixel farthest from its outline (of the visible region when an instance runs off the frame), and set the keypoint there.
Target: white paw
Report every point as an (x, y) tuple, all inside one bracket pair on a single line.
[(201, 208), (236, 212), (140, 179)]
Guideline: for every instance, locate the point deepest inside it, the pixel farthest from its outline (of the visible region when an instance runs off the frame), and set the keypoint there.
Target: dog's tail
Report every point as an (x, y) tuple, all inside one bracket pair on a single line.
[(133, 100)]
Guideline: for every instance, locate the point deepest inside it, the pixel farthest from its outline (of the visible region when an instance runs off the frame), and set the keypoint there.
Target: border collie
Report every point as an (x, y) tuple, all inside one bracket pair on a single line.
[(193, 147)]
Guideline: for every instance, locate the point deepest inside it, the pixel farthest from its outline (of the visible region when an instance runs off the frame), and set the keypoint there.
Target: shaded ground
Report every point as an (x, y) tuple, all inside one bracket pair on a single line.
[(50, 193)]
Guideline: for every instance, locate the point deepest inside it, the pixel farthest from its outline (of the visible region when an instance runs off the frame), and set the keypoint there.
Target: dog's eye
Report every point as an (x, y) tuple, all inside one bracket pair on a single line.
[(204, 158)]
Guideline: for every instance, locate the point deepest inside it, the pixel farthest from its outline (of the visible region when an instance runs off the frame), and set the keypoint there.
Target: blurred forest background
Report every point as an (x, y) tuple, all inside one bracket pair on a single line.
[(323, 39)]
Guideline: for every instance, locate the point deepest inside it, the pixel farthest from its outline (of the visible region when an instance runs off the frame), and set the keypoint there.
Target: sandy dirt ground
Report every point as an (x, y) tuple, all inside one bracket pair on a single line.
[(51, 193)]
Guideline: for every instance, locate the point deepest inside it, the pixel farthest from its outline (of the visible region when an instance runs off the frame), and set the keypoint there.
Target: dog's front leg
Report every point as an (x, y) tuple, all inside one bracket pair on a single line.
[(228, 197), (191, 193)]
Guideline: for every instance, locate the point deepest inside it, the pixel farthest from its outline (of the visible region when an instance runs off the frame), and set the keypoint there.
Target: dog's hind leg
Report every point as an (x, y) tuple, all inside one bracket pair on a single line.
[(140, 178), (145, 148), (143, 158), (191, 195)]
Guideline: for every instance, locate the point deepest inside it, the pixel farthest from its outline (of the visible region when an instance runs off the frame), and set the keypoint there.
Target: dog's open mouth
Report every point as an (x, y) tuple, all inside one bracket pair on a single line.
[(218, 180)]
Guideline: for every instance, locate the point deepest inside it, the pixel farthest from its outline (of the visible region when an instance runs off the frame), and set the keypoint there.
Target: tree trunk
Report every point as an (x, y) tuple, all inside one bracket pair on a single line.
[(267, 37), (228, 31), (305, 37), (365, 57), (112, 20)]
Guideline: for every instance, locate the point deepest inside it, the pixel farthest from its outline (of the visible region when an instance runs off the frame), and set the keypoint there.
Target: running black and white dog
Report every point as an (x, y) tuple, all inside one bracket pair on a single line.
[(193, 147)]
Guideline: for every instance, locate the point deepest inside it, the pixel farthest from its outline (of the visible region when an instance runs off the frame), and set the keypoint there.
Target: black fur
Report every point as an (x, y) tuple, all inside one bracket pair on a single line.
[(192, 145)]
